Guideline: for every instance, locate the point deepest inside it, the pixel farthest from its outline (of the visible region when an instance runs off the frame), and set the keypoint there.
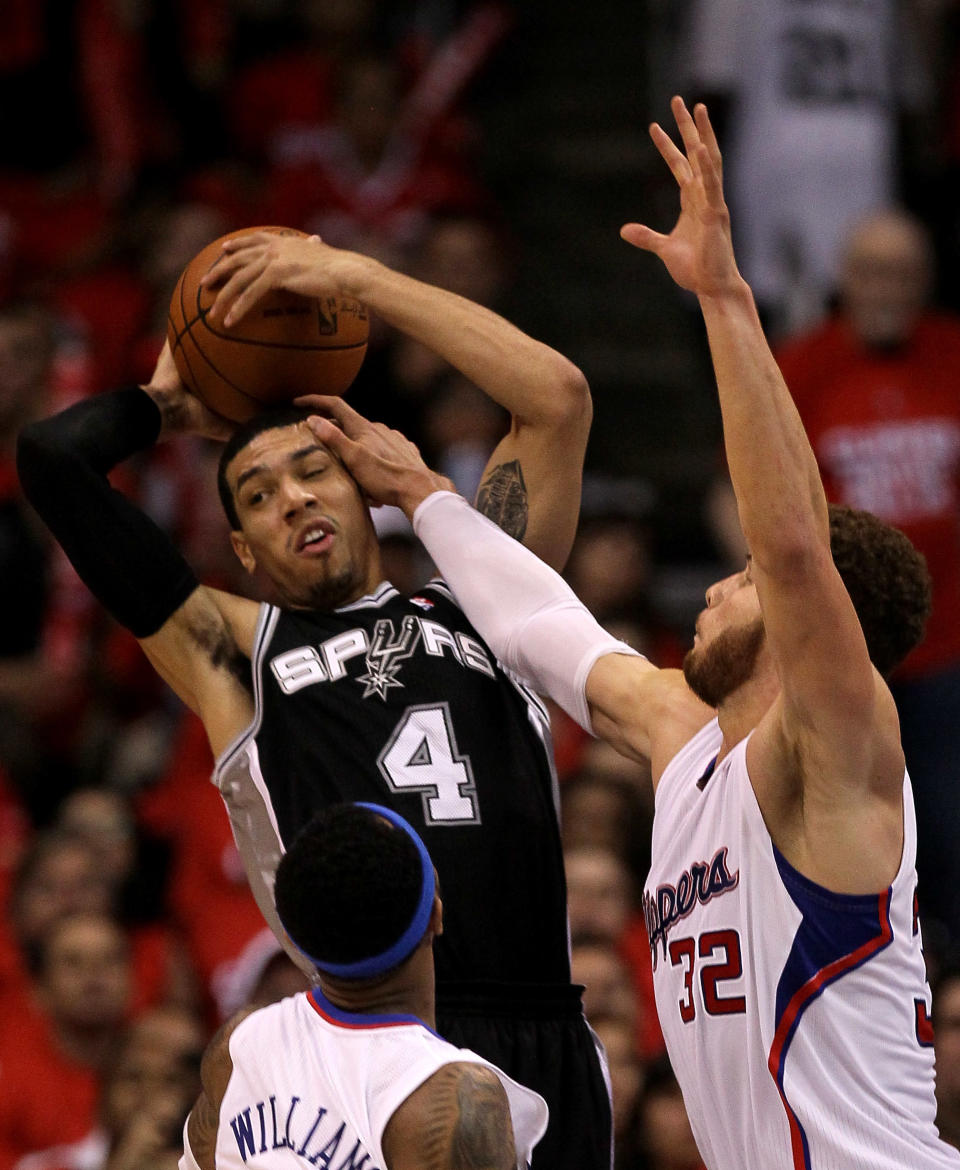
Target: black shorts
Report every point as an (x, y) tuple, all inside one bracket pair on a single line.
[(539, 1037)]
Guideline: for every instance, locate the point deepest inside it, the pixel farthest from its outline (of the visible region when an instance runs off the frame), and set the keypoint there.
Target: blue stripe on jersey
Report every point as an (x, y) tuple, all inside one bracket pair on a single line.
[(336, 1015), (838, 933)]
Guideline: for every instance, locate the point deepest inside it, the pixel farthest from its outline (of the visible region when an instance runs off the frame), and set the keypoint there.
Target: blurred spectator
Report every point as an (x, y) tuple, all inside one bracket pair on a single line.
[(135, 863), (946, 1040), (608, 810), (600, 893), (102, 819), (290, 89), (609, 567), (664, 1135), (264, 973), (209, 899), (33, 684), (601, 903), (581, 753), (607, 981), (626, 1084), (370, 176), (878, 389), (824, 88), (150, 1083), (58, 875), (62, 874), (53, 1053), (168, 236)]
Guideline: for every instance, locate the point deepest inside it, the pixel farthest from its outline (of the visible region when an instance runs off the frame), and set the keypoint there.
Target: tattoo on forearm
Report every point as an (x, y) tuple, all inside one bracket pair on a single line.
[(503, 498)]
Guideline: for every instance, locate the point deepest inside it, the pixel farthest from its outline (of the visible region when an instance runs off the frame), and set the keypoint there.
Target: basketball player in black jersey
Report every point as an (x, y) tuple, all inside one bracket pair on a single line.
[(349, 691)]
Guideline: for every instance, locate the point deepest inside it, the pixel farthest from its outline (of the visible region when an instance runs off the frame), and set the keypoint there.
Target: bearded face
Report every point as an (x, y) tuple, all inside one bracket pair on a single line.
[(713, 672)]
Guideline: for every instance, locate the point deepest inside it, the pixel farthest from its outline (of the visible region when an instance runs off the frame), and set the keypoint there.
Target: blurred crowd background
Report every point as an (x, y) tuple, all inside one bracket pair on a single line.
[(494, 149)]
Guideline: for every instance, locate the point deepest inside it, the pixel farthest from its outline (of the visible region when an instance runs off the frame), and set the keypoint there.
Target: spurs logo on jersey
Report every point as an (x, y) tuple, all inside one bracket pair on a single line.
[(383, 655), (700, 883)]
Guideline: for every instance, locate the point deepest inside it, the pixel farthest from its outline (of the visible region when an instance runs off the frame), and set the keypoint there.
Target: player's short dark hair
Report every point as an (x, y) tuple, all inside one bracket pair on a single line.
[(349, 885), (264, 420), (887, 580)]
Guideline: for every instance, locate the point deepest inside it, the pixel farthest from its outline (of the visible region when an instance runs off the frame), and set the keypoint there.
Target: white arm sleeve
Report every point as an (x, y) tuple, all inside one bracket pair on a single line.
[(527, 614)]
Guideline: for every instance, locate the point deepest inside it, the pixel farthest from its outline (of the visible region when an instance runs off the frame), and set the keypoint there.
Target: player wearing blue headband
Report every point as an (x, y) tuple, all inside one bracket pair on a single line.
[(353, 1073)]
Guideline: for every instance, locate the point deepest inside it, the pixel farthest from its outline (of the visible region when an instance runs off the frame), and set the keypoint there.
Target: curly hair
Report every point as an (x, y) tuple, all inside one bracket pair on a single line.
[(887, 580), (349, 885)]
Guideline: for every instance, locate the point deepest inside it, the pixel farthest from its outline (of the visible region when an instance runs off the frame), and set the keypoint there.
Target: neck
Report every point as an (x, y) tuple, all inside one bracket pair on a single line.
[(740, 712), (408, 991)]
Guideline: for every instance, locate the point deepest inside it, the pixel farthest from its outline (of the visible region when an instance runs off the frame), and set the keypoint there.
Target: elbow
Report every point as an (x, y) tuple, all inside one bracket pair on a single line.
[(574, 393), (793, 557), (569, 406), (787, 540)]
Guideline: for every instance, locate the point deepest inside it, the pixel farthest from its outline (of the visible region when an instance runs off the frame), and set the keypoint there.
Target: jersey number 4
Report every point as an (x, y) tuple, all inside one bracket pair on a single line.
[(722, 948), (422, 756)]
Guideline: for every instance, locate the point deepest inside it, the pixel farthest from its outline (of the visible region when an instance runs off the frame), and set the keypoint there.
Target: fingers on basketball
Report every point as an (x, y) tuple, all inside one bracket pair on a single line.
[(285, 346)]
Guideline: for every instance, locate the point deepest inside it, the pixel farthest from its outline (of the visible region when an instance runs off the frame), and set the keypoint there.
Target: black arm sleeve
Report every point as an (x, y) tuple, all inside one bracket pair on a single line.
[(126, 561)]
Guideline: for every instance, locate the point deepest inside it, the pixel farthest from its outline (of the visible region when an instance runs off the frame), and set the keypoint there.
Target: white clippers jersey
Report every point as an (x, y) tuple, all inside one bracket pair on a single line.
[(796, 1019), (320, 1084)]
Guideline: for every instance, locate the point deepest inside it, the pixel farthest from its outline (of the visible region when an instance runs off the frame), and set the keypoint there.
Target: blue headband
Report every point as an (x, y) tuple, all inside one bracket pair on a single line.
[(407, 942)]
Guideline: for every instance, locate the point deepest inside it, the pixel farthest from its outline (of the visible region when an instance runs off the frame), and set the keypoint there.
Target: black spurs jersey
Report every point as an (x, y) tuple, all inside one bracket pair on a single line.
[(396, 700)]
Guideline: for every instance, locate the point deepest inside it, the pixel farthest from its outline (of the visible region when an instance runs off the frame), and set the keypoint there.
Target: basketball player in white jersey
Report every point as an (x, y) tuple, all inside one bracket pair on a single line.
[(780, 904), (352, 1073)]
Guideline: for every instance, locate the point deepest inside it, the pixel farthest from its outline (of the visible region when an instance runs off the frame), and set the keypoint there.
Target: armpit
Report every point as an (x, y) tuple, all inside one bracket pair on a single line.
[(212, 637)]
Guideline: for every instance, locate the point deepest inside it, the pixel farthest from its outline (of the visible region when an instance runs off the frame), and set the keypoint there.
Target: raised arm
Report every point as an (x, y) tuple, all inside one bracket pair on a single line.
[(195, 637), (834, 717), (531, 486)]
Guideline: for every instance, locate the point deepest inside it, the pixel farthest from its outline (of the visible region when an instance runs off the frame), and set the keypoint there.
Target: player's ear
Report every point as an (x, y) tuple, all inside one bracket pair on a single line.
[(242, 549), (436, 915)]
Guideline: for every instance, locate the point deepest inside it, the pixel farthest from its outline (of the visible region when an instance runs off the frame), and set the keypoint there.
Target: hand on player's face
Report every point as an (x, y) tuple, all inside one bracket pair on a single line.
[(698, 253), (386, 465)]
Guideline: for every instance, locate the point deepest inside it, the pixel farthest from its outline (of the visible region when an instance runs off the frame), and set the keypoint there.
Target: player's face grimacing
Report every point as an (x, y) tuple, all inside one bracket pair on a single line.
[(728, 641), (303, 520)]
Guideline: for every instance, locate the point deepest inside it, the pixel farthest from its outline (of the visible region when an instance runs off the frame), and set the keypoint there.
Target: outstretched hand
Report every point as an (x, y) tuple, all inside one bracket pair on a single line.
[(386, 465), (698, 253)]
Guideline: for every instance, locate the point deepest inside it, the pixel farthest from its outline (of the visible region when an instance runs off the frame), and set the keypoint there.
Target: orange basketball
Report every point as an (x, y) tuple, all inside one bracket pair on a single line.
[(286, 345)]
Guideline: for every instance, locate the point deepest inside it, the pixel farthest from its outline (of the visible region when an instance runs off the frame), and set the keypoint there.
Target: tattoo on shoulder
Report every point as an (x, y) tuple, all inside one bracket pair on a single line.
[(216, 642), (483, 1135), (503, 498)]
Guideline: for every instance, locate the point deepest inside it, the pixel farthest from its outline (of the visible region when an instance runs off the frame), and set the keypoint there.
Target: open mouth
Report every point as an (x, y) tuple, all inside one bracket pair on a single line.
[(316, 538)]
